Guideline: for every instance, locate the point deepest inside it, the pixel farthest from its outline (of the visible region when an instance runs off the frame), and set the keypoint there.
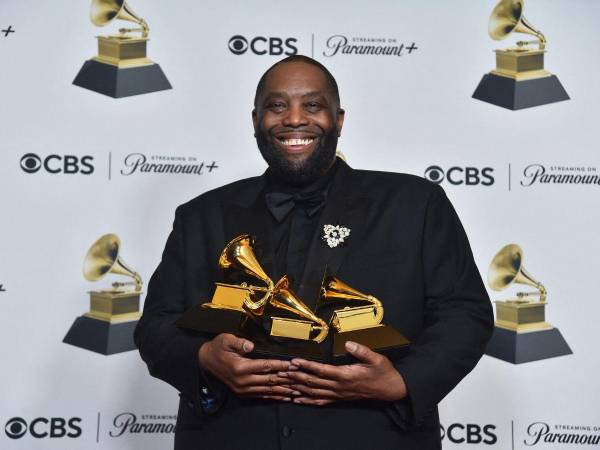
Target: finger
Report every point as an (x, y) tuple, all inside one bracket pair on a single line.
[(315, 392), (313, 401), (280, 391), (235, 344), (363, 353), (311, 380), (327, 371), (264, 366), (276, 398), (264, 380)]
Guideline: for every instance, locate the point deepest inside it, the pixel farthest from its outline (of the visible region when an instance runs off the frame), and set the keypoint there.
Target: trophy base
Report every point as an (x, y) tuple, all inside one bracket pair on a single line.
[(519, 94), (382, 339), (101, 336), (211, 320), (517, 348), (118, 82)]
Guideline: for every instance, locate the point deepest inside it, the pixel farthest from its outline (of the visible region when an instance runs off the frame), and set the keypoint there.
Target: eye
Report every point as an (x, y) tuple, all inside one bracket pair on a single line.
[(276, 106), (313, 106)]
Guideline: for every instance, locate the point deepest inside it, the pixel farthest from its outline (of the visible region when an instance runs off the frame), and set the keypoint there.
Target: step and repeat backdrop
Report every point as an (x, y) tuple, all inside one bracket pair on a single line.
[(82, 160)]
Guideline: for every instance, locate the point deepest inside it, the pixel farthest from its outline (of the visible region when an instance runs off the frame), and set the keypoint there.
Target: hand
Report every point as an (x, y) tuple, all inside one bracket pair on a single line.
[(223, 356), (374, 377)]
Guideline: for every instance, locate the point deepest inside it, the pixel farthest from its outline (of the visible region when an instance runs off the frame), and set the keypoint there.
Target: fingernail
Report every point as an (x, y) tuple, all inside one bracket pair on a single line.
[(287, 399), (351, 346), (297, 400), (296, 393), (282, 374), (247, 346)]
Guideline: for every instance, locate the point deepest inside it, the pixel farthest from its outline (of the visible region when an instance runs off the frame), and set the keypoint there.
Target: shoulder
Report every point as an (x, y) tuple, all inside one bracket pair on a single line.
[(241, 191)]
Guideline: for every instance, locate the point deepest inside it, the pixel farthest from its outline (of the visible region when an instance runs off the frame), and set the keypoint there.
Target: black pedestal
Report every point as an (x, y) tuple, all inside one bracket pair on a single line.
[(512, 94), (114, 82), (100, 336), (211, 321), (520, 348)]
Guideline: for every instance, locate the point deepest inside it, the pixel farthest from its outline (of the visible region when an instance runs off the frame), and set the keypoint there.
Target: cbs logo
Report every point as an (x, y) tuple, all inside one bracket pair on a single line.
[(262, 46), (470, 434), (68, 164), (41, 427), (469, 176)]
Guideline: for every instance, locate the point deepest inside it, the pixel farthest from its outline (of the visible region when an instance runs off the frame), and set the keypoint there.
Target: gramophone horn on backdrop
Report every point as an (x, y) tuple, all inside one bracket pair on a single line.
[(507, 268), (507, 17), (103, 258), (105, 11)]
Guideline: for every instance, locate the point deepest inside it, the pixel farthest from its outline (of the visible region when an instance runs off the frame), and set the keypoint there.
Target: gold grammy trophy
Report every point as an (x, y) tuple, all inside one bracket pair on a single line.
[(521, 333), (108, 326), (272, 316), (519, 80), (121, 68), (361, 324)]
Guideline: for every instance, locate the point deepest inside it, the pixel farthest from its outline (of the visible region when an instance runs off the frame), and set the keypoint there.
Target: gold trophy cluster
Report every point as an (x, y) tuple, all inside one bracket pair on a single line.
[(264, 303)]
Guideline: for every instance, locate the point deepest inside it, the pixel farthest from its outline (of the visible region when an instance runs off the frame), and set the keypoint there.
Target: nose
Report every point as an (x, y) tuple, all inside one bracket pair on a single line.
[(295, 117)]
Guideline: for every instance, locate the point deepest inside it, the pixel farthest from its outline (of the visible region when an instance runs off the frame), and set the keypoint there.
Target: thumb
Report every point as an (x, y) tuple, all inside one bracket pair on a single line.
[(237, 345), (362, 353)]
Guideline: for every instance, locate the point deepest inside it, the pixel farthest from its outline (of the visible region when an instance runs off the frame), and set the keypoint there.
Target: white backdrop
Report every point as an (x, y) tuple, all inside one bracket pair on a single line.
[(404, 113)]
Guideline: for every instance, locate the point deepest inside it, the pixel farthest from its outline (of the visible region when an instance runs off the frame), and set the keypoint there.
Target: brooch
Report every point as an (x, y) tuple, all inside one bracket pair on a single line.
[(334, 235)]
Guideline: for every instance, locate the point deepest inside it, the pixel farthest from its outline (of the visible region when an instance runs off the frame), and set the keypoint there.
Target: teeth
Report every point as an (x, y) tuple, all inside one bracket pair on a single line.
[(296, 141)]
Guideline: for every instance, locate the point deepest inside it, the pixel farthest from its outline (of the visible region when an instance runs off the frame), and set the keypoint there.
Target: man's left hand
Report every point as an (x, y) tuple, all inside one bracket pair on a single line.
[(373, 377)]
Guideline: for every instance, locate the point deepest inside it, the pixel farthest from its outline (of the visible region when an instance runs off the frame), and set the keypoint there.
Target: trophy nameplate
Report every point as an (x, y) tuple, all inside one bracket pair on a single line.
[(108, 326), (521, 333), (121, 68), (519, 80)]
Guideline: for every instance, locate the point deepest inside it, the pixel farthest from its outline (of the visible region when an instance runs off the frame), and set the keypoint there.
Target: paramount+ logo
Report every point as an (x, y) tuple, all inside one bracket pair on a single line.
[(456, 175), (469, 433), (43, 427), (260, 45), (57, 164)]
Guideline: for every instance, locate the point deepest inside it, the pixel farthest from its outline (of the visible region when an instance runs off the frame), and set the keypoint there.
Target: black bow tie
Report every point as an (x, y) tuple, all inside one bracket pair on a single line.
[(280, 203)]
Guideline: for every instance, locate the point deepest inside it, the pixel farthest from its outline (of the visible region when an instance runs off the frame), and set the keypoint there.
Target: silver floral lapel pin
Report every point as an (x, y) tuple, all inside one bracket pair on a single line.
[(334, 235)]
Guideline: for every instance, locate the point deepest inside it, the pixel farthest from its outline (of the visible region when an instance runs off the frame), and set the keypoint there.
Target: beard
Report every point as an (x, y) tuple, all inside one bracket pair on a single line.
[(299, 173)]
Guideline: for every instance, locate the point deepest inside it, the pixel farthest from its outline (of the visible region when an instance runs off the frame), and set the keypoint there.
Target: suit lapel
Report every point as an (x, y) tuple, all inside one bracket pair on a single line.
[(346, 206)]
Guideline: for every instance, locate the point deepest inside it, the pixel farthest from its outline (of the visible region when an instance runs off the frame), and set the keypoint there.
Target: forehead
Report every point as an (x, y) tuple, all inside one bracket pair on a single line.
[(295, 78)]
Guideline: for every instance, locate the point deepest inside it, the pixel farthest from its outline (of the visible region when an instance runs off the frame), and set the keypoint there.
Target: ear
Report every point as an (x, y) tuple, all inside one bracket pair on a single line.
[(254, 119), (339, 121)]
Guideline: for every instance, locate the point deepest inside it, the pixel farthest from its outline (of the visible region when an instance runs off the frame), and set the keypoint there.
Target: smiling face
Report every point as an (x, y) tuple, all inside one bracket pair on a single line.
[(297, 122)]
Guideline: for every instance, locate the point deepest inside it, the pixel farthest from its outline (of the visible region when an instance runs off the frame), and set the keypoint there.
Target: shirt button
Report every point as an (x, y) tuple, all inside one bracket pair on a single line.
[(286, 431)]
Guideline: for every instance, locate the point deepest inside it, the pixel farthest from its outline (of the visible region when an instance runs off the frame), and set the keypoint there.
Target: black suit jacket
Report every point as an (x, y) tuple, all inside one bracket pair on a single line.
[(406, 247)]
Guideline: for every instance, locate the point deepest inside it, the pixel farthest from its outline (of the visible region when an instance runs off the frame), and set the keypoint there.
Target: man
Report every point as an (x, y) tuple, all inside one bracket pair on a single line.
[(406, 247)]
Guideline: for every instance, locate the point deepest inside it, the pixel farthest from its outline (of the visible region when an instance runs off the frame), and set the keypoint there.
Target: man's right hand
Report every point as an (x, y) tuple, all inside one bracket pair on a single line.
[(223, 356)]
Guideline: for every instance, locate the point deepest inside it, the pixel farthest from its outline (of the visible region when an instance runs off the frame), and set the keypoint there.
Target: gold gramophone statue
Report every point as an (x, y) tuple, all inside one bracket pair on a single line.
[(361, 323), (121, 68), (272, 316), (521, 333), (108, 326), (519, 80)]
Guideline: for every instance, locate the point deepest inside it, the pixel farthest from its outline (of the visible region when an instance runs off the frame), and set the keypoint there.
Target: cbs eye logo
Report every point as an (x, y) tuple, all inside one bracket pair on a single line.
[(54, 164), (469, 176), (15, 428), (238, 45)]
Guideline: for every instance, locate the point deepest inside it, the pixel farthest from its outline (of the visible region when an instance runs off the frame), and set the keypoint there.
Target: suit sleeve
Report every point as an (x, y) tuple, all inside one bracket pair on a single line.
[(458, 319), (170, 353)]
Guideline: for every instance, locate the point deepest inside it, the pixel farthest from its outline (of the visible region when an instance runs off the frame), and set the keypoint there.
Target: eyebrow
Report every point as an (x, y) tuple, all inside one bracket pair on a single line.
[(283, 94)]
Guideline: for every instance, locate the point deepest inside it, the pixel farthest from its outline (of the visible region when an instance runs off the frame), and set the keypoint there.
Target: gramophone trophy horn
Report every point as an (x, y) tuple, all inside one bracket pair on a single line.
[(121, 68), (521, 333), (285, 299), (519, 80), (108, 326)]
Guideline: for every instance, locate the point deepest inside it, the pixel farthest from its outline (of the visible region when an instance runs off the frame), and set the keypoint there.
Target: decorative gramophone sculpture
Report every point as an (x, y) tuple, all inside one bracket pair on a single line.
[(360, 323), (108, 327), (277, 321), (519, 80), (121, 68), (521, 333)]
